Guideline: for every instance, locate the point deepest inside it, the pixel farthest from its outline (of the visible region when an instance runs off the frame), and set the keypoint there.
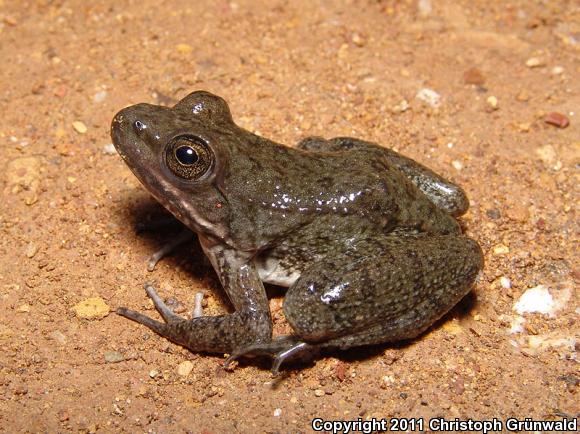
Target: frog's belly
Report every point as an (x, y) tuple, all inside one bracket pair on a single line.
[(272, 270)]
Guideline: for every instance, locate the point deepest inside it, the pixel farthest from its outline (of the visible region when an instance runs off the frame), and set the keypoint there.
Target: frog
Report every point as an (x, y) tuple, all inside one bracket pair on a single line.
[(365, 240)]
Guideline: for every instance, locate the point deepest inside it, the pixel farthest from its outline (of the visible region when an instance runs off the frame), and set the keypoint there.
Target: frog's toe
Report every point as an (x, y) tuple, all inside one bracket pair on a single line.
[(154, 325), (183, 237), (281, 349), (160, 305)]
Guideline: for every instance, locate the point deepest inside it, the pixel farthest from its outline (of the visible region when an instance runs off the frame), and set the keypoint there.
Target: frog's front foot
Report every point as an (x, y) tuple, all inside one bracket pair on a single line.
[(281, 349), (168, 248), (215, 334)]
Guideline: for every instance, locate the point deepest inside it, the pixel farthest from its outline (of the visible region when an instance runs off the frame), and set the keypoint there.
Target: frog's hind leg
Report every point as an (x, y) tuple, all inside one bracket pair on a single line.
[(382, 290)]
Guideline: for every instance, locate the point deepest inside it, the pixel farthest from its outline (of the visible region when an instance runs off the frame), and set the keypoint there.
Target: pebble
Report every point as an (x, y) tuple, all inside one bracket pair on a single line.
[(535, 300), (524, 127), (402, 107), (278, 412), (113, 357), (80, 127), (31, 250), (505, 282), (153, 373), (92, 308), (492, 102), (24, 174), (473, 76), (184, 48), (557, 70), (429, 96), (547, 153), (358, 40), (458, 165), (100, 96), (535, 62), (58, 336), (501, 249), (319, 392), (493, 213), (523, 96), (109, 149), (557, 119), (25, 308), (517, 212), (184, 368), (425, 8)]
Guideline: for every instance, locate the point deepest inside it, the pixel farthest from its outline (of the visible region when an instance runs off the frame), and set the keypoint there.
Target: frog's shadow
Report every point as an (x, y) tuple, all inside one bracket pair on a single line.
[(143, 212)]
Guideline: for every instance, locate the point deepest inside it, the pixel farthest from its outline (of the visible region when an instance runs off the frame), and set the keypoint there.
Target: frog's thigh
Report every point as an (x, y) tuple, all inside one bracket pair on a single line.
[(384, 290)]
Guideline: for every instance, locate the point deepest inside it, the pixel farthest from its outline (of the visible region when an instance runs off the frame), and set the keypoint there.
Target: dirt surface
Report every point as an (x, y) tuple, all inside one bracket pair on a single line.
[(69, 205)]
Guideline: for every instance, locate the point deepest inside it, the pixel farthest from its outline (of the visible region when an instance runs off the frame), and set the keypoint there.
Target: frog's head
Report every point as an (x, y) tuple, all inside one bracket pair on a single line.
[(178, 155)]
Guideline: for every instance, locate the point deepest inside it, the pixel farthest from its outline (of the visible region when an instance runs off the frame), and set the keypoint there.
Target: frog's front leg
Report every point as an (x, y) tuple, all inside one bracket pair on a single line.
[(250, 323)]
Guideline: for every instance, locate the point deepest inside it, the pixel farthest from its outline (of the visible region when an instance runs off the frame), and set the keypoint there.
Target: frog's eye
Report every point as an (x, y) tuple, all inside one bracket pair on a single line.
[(189, 157)]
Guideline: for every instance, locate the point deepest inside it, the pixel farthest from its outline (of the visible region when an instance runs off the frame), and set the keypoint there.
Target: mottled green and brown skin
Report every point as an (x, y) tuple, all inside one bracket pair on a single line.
[(364, 238)]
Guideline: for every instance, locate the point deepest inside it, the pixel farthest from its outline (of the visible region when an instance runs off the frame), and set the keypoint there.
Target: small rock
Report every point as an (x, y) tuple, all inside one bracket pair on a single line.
[(184, 48), (340, 370), (473, 76), (58, 336), (517, 212), (557, 119), (535, 62), (458, 165), (547, 153), (79, 127), (278, 412), (429, 96), (113, 357), (557, 70), (524, 127), (63, 415), (535, 300), (493, 213), (24, 308), (153, 373), (492, 102), (319, 392), (109, 149), (9, 20), (501, 249), (424, 7), (523, 96), (100, 96), (31, 250), (23, 174), (402, 107), (184, 368), (505, 282), (358, 40), (91, 308)]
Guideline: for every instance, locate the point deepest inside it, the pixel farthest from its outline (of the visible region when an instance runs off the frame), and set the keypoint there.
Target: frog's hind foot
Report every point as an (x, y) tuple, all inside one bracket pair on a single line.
[(281, 349)]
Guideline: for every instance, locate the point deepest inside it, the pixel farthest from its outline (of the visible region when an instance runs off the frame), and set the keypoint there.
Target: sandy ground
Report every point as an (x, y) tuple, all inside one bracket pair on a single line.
[(288, 69)]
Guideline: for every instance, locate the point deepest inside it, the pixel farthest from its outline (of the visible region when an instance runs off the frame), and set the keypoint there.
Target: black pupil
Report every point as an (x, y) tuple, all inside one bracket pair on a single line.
[(186, 155)]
